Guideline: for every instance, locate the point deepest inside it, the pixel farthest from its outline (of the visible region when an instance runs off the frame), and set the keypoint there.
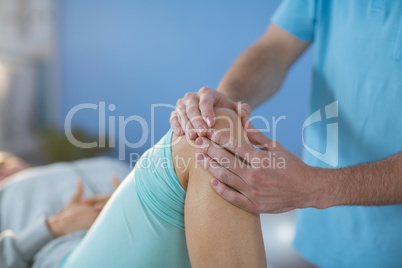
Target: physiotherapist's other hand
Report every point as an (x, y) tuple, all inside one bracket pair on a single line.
[(194, 113), (77, 215), (265, 180)]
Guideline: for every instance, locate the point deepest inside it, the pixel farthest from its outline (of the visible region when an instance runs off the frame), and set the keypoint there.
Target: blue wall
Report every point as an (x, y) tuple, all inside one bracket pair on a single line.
[(137, 53)]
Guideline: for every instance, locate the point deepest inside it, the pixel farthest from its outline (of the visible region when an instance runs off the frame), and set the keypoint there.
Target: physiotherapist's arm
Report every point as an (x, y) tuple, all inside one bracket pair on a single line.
[(258, 72), (374, 184), (273, 180), (254, 77)]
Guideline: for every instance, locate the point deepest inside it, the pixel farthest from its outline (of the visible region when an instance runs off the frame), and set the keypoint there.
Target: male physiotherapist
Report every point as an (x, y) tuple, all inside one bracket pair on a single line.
[(352, 215)]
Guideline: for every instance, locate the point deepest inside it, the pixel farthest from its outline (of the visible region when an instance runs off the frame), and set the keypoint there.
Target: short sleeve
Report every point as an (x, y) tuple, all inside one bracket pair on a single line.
[(298, 17)]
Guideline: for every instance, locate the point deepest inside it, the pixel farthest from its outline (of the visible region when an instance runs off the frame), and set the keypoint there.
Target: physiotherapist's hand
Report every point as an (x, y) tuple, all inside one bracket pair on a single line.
[(194, 113), (265, 180)]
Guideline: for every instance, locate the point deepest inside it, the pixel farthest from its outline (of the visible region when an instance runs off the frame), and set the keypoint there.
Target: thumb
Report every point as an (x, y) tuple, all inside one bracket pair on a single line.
[(255, 136), (243, 109), (78, 193)]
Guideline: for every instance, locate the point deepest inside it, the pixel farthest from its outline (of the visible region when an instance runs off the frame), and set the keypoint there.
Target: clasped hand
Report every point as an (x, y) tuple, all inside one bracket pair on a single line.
[(79, 214), (266, 179)]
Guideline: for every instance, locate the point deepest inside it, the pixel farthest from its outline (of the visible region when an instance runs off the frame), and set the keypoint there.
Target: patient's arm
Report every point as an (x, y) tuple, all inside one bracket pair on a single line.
[(216, 231)]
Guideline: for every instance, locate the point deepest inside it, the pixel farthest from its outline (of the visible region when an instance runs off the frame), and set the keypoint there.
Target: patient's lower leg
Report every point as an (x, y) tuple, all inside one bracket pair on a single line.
[(218, 234)]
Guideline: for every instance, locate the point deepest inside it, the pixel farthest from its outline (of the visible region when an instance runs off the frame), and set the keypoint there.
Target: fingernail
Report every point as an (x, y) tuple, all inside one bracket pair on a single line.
[(200, 157), (200, 129), (210, 133), (190, 133), (199, 141), (243, 113), (214, 182), (209, 122), (177, 131), (98, 206)]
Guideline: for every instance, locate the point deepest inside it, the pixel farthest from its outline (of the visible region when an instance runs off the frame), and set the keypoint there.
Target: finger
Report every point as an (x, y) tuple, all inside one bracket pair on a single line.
[(184, 121), (78, 192), (217, 99), (191, 101), (115, 182), (244, 110), (206, 105), (98, 207), (256, 137), (97, 199), (180, 110), (232, 144), (222, 156), (232, 196), (175, 124), (224, 175)]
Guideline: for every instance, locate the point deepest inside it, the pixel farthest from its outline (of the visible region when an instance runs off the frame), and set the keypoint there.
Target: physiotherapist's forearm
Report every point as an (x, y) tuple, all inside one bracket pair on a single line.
[(259, 71), (374, 184), (254, 77)]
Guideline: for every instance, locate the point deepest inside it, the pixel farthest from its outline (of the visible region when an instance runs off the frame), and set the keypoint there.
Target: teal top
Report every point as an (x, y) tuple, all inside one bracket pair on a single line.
[(142, 225), (160, 190), (356, 117)]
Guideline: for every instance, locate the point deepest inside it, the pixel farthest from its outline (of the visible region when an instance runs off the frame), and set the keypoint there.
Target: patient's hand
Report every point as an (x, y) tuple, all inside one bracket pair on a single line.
[(99, 201), (79, 214)]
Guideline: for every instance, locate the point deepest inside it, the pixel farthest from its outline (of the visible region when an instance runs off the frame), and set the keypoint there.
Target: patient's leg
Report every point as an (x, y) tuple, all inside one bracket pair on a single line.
[(218, 233), (142, 224)]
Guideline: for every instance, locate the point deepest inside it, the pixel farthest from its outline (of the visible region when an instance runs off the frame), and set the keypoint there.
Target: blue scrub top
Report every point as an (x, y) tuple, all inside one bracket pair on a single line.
[(356, 108)]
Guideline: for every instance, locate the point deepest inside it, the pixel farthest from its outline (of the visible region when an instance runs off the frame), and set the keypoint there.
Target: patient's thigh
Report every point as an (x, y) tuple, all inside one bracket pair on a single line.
[(127, 234)]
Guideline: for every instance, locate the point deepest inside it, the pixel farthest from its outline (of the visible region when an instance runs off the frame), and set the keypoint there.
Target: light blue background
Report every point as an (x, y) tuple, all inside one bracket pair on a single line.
[(137, 53)]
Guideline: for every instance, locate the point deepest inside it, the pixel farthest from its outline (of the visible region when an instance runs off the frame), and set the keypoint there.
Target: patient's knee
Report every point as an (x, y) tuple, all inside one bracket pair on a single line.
[(226, 119), (229, 121), (184, 151)]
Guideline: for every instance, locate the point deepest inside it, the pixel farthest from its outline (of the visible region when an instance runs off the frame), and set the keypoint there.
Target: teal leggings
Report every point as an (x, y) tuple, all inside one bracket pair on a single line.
[(142, 225)]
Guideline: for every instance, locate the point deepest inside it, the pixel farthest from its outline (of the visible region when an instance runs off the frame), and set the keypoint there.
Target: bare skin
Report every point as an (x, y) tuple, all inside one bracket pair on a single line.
[(254, 77), (79, 214), (214, 227), (10, 164)]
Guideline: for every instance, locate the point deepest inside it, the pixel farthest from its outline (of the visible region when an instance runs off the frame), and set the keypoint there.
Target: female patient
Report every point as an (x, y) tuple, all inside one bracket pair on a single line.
[(44, 210), (165, 214)]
